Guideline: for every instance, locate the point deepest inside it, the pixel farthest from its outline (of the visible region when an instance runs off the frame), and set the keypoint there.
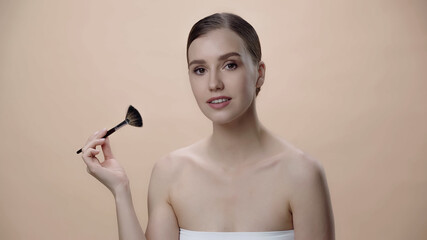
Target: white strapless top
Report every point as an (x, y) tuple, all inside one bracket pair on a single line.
[(273, 235)]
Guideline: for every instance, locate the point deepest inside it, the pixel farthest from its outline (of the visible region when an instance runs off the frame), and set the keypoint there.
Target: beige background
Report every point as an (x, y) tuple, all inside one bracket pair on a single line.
[(346, 82)]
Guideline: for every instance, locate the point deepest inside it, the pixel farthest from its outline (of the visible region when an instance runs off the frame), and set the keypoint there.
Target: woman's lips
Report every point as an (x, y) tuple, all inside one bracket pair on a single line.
[(219, 102)]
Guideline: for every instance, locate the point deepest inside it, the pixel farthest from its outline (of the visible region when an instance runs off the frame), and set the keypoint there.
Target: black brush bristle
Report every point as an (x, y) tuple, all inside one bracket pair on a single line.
[(133, 117)]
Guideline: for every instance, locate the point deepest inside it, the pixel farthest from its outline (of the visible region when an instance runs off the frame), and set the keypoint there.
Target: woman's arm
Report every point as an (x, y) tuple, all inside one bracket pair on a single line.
[(162, 223), (310, 202), (127, 221), (112, 175)]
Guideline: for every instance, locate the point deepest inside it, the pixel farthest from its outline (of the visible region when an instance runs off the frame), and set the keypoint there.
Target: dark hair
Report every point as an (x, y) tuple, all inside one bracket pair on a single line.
[(233, 22)]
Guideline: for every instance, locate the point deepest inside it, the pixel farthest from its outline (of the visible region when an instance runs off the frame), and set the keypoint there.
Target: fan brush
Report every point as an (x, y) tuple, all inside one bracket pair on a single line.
[(133, 118)]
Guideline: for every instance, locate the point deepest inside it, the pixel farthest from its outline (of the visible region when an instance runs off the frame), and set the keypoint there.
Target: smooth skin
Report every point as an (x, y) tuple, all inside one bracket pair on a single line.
[(241, 178)]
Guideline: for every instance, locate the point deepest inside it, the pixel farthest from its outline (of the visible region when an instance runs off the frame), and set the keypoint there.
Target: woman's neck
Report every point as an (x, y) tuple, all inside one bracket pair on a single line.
[(239, 141)]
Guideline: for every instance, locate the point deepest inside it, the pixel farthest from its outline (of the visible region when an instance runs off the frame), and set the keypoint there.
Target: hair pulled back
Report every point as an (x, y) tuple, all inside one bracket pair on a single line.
[(230, 21)]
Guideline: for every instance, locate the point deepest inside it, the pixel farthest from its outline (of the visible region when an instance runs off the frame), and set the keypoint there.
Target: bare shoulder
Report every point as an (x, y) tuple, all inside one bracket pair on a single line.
[(307, 178), (176, 161), (162, 218), (304, 167), (300, 166), (309, 196), (166, 172)]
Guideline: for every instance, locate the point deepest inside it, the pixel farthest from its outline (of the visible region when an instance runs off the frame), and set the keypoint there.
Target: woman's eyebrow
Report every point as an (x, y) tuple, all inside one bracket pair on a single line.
[(196, 62), (222, 57), (227, 55)]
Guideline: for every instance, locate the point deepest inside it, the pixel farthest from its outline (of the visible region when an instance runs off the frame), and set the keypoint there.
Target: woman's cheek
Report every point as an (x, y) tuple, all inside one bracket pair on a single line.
[(198, 91)]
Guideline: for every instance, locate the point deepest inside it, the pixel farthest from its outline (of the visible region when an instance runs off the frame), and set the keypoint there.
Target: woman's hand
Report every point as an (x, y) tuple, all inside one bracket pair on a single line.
[(109, 172)]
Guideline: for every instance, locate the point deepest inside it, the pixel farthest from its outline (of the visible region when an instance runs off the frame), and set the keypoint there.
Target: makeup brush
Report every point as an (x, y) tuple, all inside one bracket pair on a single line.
[(133, 118)]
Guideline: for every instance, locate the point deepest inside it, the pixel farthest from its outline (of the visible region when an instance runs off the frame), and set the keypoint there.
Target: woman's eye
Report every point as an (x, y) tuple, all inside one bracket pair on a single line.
[(231, 66), (199, 71)]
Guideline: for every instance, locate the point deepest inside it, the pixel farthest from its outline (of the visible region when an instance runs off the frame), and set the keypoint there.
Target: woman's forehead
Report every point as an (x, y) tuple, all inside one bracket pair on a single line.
[(216, 43)]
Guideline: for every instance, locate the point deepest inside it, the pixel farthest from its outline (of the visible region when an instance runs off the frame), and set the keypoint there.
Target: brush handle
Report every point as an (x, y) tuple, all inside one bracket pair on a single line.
[(111, 131)]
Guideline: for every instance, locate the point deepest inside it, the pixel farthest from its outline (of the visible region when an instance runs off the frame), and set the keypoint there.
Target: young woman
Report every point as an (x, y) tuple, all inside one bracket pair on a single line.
[(241, 182)]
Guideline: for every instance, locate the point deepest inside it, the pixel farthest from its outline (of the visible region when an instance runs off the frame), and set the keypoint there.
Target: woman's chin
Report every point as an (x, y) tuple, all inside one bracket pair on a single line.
[(221, 118), (225, 116), (218, 120)]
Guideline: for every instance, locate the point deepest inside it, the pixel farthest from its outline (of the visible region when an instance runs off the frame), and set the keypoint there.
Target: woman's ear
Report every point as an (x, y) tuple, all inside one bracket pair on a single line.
[(261, 74)]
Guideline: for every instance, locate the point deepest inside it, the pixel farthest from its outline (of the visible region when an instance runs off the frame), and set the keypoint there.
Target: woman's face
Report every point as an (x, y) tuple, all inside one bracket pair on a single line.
[(223, 76)]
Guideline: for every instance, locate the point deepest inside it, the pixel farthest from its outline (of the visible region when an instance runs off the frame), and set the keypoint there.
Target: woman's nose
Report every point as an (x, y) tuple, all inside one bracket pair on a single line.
[(215, 81)]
